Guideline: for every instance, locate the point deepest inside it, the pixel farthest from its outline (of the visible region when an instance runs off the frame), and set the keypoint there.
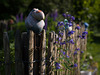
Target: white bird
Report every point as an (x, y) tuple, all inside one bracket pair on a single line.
[(35, 21)]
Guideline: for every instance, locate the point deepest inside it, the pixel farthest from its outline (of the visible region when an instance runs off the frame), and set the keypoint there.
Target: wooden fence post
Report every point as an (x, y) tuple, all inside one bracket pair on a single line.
[(49, 54), (37, 54), (43, 54), (68, 46), (55, 53), (28, 52), (25, 57), (73, 49), (63, 47), (18, 54), (78, 51), (31, 52), (7, 54), (82, 46)]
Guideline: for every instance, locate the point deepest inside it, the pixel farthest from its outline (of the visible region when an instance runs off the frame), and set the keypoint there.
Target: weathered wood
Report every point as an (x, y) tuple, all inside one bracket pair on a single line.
[(78, 45), (64, 47), (55, 53), (43, 54), (31, 51), (82, 40), (68, 46), (78, 52), (7, 54), (49, 54), (28, 52), (25, 55), (73, 49), (18, 54), (70, 49), (37, 53)]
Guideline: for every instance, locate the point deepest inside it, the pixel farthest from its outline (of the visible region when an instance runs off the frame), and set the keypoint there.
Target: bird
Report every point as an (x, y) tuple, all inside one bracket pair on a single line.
[(35, 20)]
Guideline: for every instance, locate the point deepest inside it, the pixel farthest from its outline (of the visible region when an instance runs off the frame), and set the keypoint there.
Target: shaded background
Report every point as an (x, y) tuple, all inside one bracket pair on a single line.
[(83, 11)]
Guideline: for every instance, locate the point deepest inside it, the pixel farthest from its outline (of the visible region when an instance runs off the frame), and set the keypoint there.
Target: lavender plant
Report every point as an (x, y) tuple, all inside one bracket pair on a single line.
[(64, 62)]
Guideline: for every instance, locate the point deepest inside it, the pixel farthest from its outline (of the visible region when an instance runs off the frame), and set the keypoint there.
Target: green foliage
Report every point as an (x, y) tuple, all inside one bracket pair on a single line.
[(90, 36), (93, 48), (21, 26), (12, 51), (51, 24), (13, 7)]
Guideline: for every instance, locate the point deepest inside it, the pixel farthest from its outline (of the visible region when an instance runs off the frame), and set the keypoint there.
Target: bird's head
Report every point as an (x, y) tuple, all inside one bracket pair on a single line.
[(37, 14)]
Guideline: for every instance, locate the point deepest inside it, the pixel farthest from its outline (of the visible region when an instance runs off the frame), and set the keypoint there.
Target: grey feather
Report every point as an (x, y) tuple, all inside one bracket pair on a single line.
[(35, 22)]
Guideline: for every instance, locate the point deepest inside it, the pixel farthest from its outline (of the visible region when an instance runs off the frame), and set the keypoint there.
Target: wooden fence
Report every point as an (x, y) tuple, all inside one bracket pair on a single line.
[(35, 56)]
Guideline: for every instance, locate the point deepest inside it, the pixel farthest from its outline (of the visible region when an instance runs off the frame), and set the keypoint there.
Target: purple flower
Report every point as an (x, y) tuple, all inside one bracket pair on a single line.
[(70, 32), (60, 33), (57, 65), (60, 23), (21, 17), (59, 38), (77, 27), (46, 24), (63, 52), (72, 17), (71, 41), (17, 18), (82, 51), (79, 36), (84, 34), (62, 43), (75, 65), (70, 24), (75, 52), (55, 15), (83, 37), (77, 49), (67, 56), (55, 42), (68, 15), (67, 23), (64, 15)]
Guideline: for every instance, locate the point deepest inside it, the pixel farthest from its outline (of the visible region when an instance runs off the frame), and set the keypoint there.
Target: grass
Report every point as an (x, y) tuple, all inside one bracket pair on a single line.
[(94, 49)]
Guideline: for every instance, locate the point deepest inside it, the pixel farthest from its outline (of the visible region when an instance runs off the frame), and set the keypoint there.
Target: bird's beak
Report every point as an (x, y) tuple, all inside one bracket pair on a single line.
[(38, 11)]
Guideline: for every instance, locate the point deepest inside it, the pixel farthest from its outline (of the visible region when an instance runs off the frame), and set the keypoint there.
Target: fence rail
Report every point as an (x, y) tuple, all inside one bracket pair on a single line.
[(33, 58)]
